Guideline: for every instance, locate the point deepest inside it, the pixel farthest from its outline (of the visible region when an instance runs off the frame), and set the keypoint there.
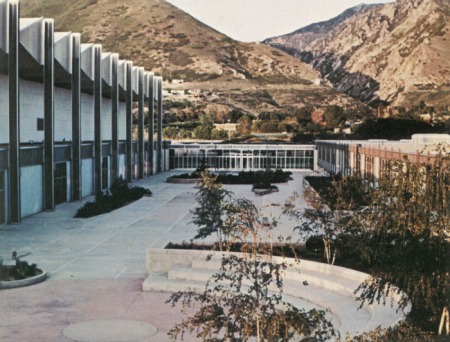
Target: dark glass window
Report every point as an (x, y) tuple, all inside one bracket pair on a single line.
[(105, 172), (40, 124), (60, 183)]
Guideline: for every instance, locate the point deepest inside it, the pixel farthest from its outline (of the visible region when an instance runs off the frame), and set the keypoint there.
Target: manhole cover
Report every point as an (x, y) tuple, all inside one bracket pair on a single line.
[(109, 331)]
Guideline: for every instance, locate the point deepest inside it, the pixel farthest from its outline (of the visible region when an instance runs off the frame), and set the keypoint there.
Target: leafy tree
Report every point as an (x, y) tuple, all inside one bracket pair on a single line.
[(404, 237), (235, 115), (393, 129), (212, 200), (244, 299), (334, 115), (245, 125), (203, 131), (217, 134), (330, 208), (303, 115)]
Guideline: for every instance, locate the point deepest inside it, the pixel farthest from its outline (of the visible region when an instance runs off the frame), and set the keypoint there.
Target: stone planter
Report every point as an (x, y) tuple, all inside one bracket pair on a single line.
[(11, 284)]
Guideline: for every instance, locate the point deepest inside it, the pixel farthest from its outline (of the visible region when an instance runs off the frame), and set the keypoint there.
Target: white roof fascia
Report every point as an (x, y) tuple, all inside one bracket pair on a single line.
[(32, 37), (63, 50), (87, 60), (4, 26), (107, 67)]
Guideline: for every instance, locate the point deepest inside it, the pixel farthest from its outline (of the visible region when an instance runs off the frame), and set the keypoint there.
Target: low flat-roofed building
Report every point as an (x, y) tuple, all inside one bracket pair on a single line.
[(243, 157), (367, 156)]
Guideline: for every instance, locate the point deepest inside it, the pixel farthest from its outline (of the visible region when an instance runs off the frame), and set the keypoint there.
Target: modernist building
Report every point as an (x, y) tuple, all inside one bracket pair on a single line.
[(368, 156), (66, 117), (243, 157)]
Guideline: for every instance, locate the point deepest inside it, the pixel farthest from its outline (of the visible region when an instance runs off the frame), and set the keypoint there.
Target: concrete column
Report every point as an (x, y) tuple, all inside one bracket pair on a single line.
[(114, 114), (14, 114), (129, 123), (49, 115), (141, 150), (97, 121), (76, 117), (151, 121), (337, 165), (159, 129), (315, 160)]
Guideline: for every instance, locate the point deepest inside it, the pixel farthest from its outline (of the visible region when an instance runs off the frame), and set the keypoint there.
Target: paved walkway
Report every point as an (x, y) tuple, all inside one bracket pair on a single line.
[(96, 266)]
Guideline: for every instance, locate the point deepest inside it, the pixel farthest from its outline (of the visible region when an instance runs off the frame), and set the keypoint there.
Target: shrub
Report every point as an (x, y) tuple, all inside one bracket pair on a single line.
[(118, 196), (20, 270)]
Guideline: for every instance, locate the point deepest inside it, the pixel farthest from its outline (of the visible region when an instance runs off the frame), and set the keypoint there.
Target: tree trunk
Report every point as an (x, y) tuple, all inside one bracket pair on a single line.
[(445, 321)]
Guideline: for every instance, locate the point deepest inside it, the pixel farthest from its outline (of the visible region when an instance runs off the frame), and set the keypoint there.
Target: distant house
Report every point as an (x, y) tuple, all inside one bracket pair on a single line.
[(177, 92), (177, 81), (194, 91), (319, 81)]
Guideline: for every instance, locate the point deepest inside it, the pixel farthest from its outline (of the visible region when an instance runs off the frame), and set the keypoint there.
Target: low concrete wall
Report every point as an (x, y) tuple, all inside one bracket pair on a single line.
[(174, 180), (23, 282), (161, 260)]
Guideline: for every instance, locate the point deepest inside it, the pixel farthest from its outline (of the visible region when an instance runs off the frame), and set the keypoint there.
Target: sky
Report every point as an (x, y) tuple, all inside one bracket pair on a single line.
[(255, 20)]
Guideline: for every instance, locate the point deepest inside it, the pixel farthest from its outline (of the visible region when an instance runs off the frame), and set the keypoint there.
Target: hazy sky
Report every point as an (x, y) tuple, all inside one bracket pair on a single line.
[(255, 20)]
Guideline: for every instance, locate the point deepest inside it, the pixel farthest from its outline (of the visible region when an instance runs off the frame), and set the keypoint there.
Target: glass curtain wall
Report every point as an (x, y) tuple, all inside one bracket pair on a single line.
[(246, 158)]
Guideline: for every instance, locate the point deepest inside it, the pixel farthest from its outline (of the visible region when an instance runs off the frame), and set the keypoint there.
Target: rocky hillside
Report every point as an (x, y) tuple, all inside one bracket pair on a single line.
[(162, 38), (299, 41), (395, 53), (248, 76)]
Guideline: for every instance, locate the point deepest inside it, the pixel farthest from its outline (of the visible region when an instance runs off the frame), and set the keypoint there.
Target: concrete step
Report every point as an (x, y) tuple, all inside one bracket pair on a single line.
[(302, 271), (344, 308), (329, 288), (159, 282)]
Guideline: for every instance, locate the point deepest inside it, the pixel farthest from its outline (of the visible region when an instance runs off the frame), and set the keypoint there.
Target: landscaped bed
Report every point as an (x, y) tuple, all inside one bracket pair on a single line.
[(244, 177), (312, 250), (21, 273), (118, 196), (256, 177)]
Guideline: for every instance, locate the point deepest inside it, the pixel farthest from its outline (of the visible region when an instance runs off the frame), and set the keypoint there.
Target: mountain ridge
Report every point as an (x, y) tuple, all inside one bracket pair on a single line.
[(300, 39), (166, 40), (392, 53)]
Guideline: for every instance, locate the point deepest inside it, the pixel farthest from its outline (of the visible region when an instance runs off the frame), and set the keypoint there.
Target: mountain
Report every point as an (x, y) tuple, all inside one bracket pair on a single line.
[(395, 53), (251, 77), (299, 41)]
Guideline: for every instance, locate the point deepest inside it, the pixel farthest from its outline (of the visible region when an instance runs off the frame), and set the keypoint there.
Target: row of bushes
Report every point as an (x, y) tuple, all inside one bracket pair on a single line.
[(256, 177), (119, 194)]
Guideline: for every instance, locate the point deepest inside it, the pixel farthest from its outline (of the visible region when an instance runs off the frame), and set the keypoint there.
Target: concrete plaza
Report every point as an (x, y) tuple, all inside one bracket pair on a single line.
[(96, 266)]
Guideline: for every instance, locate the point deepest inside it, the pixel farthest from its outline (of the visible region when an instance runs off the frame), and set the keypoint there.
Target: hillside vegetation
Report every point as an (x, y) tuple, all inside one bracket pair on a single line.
[(249, 77)]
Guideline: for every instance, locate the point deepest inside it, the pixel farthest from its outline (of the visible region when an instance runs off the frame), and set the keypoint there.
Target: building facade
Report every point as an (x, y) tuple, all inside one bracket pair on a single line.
[(239, 157), (66, 117), (367, 157)]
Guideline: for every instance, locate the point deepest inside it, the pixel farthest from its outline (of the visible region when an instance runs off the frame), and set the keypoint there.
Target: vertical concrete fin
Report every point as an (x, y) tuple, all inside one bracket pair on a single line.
[(141, 95), (129, 122), (151, 119), (14, 112), (49, 115), (114, 116), (76, 116), (98, 158), (159, 129)]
